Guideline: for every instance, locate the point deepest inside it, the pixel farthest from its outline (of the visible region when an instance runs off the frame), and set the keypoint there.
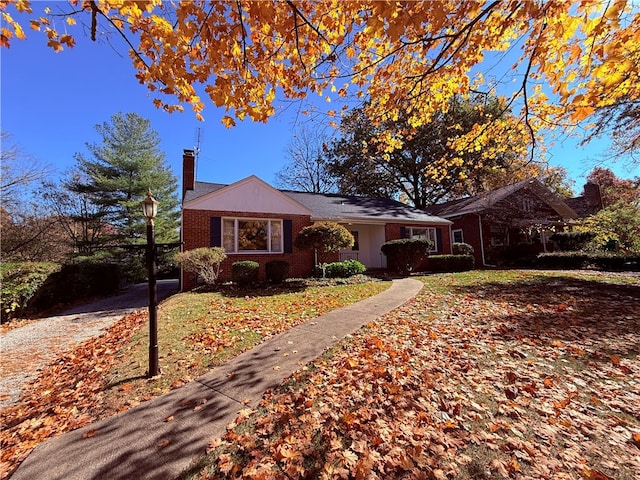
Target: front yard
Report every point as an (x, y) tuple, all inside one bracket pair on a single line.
[(486, 374), (516, 374)]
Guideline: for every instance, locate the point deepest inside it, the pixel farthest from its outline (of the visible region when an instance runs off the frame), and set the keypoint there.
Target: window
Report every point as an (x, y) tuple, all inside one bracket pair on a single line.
[(427, 233), (251, 235), (499, 236), (458, 236)]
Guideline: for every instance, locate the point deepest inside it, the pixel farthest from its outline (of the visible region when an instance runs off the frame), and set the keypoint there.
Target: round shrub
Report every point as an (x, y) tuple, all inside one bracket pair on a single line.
[(245, 273), (277, 271), (347, 268), (451, 263), (205, 262), (460, 248), (406, 254)]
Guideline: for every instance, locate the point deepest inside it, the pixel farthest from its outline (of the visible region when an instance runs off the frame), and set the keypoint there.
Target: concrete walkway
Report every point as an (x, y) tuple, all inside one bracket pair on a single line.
[(140, 444)]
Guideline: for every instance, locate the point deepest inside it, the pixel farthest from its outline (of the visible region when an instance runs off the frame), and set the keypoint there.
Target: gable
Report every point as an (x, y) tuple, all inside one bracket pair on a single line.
[(250, 195), (505, 196)]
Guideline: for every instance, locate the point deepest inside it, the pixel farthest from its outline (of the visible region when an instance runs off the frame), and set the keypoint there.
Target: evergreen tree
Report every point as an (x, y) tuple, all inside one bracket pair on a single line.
[(122, 169)]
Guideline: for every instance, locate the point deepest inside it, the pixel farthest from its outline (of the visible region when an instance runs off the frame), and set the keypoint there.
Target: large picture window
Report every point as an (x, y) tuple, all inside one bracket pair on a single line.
[(426, 233), (242, 235)]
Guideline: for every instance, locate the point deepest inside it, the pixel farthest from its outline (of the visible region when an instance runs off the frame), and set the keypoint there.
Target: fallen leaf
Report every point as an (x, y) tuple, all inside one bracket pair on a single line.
[(90, 433)]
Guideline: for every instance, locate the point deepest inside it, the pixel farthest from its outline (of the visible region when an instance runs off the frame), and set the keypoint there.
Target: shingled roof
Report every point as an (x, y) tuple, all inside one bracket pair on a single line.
[(334, 207), (479, 203)]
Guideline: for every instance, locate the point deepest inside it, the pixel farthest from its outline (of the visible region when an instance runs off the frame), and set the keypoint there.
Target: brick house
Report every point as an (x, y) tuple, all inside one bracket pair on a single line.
[(255, 221), (516, 220)]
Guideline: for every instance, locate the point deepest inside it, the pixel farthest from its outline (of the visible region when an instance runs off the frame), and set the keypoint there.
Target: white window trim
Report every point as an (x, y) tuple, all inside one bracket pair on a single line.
[(453, 234), (435, 235), (251, 219)]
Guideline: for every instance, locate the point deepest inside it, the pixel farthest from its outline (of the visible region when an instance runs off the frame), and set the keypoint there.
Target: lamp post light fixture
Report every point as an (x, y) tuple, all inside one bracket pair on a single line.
[(150, 210)]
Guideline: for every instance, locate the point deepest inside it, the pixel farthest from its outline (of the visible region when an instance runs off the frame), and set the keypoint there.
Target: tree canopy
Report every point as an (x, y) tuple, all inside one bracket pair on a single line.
[(559, 61), (427, 168)]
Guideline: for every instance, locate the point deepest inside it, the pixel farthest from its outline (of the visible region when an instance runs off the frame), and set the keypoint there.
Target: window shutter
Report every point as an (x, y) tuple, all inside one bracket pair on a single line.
[(439, 240), (287, 230), (216, 232), (403, 233)]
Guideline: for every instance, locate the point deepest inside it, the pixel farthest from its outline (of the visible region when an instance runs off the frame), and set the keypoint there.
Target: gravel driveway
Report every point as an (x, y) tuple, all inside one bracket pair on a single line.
[(25, 350)]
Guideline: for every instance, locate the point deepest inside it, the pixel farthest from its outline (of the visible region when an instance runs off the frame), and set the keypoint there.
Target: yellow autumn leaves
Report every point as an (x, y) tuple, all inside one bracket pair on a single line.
[(559, 60)]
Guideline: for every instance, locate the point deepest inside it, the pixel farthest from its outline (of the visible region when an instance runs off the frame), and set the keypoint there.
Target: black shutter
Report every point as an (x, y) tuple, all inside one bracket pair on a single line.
[(287, 230), (439, 240), (216, 232), (403, 233)]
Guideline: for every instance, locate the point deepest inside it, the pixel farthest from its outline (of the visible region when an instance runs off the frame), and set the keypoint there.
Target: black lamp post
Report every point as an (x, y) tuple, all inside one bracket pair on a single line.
[(150, 210)]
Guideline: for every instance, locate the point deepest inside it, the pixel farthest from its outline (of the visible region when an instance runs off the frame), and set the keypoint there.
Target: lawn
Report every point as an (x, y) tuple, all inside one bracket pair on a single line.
[(196, 332), (510, 374)]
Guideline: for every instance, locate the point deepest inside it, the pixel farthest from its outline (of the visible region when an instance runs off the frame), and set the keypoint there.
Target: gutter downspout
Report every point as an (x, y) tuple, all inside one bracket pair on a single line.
[(484, 262)]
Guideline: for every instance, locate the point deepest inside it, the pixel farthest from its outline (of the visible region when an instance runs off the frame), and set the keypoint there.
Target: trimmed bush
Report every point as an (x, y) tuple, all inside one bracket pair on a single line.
[(460, 248), (406, 254), (245, 273), (20, 283), (77, 282), (205, 262), (347, 268), (582, 260), (571, 241), (277, 271), (451, 263)]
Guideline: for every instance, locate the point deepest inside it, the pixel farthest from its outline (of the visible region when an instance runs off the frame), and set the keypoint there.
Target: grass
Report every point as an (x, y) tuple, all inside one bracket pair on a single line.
[(198, 331), (501, 374)]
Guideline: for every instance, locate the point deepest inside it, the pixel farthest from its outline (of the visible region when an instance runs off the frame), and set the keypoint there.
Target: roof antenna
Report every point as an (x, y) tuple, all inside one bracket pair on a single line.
[(196, 151)]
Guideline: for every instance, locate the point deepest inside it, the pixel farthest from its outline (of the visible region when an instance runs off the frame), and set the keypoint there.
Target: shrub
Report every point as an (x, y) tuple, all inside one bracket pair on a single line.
[(245, 273), (581, 260), (459, 248), (451, 263), (20, 282), (205, 262), (562, 260), (77, 281), (277, 271), (406, 254), (571, 241), (347, 268)]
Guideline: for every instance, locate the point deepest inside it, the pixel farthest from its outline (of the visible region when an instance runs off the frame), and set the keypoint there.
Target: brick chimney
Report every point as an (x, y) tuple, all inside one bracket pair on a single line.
[(593, 196), (188, 171)]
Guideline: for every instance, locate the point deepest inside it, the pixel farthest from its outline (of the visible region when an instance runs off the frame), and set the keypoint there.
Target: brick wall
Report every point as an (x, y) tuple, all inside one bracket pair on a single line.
[(196, 233)]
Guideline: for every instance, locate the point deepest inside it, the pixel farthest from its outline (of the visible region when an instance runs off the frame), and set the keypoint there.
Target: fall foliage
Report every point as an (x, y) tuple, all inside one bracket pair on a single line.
[(558, 61)]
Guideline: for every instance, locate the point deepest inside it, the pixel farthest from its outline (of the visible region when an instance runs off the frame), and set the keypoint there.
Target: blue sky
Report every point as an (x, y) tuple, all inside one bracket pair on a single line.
[(51, 102)]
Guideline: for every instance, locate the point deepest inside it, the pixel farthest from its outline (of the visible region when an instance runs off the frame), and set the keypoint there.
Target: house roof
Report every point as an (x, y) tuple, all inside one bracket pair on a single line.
[(479, 203), (336, 207), (333, 207)]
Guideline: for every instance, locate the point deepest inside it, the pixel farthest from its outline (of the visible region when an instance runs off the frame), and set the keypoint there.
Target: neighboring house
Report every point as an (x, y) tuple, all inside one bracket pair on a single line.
[(255, 221), (515, 220)]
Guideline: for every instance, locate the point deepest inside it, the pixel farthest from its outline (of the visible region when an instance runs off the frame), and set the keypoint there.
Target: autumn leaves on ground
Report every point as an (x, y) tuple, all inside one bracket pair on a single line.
[(484, 375)]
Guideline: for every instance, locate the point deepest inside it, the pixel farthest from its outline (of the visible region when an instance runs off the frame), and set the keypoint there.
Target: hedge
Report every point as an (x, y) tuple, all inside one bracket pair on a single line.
[(76, 282), (20, 282), (451, 263), (583, 260)]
